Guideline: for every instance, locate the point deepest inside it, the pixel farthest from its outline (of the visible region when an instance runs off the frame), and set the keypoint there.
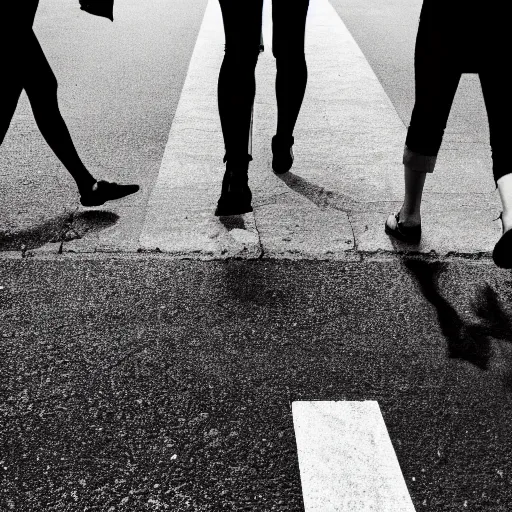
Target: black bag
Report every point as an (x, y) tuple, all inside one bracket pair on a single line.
[(103, 8)]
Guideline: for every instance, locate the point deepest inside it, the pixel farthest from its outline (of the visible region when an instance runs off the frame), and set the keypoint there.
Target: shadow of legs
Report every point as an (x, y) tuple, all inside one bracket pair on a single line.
[(318, 195), (469, 342)]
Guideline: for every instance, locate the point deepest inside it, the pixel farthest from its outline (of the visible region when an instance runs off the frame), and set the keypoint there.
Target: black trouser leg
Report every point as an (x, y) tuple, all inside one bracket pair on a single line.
[(289, 24), (436, 83), (499, 110), (237, 85)]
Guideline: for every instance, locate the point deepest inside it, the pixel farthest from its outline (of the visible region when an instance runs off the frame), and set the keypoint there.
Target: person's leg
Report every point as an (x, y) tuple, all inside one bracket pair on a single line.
[(236, 91), (499, 110), (289, 25), (237, 85), (11, 90), (40, 85), (436, 83), (505, 190), (16, 22)]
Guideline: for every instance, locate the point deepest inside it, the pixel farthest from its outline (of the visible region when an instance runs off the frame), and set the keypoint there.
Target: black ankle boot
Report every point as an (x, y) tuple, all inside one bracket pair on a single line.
[(236, 196), (283, 154)]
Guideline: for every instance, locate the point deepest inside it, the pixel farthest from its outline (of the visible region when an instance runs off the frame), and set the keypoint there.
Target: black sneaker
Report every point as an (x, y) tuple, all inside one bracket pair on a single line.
[(103, 191), (283, 154)]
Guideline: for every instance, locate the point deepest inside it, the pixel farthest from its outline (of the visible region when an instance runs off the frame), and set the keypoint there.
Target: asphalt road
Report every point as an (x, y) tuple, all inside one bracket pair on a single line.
[(131, 384)]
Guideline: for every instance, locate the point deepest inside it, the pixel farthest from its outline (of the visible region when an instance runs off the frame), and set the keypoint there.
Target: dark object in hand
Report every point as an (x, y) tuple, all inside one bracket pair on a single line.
[(103, 8)]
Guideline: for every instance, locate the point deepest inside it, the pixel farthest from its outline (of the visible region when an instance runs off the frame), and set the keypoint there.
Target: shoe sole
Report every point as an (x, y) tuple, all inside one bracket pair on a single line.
[(91, 204)]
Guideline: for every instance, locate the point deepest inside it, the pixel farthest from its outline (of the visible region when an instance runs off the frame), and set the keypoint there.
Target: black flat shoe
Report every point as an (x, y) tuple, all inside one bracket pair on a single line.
[(104, 191), (282, 160), (410, 235), (502, 253)]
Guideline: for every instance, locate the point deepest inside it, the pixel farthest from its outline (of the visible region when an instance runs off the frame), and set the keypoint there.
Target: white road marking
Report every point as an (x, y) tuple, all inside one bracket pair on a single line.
[(346, 459)]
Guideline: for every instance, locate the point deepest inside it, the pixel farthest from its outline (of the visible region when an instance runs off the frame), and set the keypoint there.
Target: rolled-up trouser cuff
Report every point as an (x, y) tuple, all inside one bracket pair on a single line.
[(417, 162)]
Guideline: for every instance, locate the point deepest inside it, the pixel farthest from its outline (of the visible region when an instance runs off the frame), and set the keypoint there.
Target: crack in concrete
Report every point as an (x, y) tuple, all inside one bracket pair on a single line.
[(353, 232), (260, 244)]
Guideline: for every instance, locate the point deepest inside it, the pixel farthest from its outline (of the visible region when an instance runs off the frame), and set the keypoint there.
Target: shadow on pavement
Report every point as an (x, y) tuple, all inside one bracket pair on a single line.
[(469, 341), (318, 195), (62, 228), (232, 222)]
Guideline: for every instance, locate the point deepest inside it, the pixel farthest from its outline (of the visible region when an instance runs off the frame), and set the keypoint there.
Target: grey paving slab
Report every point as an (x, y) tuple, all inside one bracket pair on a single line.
[(349, 143)]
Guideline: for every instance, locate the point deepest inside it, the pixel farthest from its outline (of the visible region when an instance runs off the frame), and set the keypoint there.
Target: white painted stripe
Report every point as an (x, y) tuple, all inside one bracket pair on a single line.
[(180, 216), (346, 459)]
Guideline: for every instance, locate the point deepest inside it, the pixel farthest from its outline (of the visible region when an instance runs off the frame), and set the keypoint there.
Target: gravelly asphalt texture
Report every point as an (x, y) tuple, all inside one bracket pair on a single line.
[(149, 384)]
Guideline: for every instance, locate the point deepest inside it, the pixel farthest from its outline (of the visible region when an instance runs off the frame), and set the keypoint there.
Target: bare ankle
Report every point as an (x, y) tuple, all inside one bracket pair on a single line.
[(410, 217)]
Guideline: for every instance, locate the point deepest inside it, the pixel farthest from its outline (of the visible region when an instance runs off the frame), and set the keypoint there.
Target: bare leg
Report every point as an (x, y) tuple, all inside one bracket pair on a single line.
[(410, 214), (505, 190), (11, 90), (499, 108), (41, 87)]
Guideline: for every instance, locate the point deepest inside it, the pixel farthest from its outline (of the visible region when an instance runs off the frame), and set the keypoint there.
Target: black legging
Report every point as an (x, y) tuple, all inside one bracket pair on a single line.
[(237, 86), (441, 56), (25, 67)]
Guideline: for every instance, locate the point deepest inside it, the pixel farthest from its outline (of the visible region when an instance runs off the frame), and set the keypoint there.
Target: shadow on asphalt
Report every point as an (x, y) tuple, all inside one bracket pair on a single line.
[(62, 228), (469, 341)]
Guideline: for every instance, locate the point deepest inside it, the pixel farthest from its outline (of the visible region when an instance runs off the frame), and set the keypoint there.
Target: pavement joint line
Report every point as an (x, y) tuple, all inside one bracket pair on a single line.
[(358, 257)]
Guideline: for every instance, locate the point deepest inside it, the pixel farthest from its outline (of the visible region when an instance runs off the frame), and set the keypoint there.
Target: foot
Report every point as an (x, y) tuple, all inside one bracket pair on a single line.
[(283, 154), (236, 196), (408, 231), (103, 191), (502, 253)]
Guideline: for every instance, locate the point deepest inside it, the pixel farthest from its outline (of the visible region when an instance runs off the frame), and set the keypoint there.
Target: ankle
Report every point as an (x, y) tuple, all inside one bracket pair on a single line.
[(87, 186), (506, 219), (280, 140), (410, 216)]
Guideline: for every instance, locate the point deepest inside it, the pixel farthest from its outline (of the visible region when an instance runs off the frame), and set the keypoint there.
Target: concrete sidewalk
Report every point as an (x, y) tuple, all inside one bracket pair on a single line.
[(346, 179)]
